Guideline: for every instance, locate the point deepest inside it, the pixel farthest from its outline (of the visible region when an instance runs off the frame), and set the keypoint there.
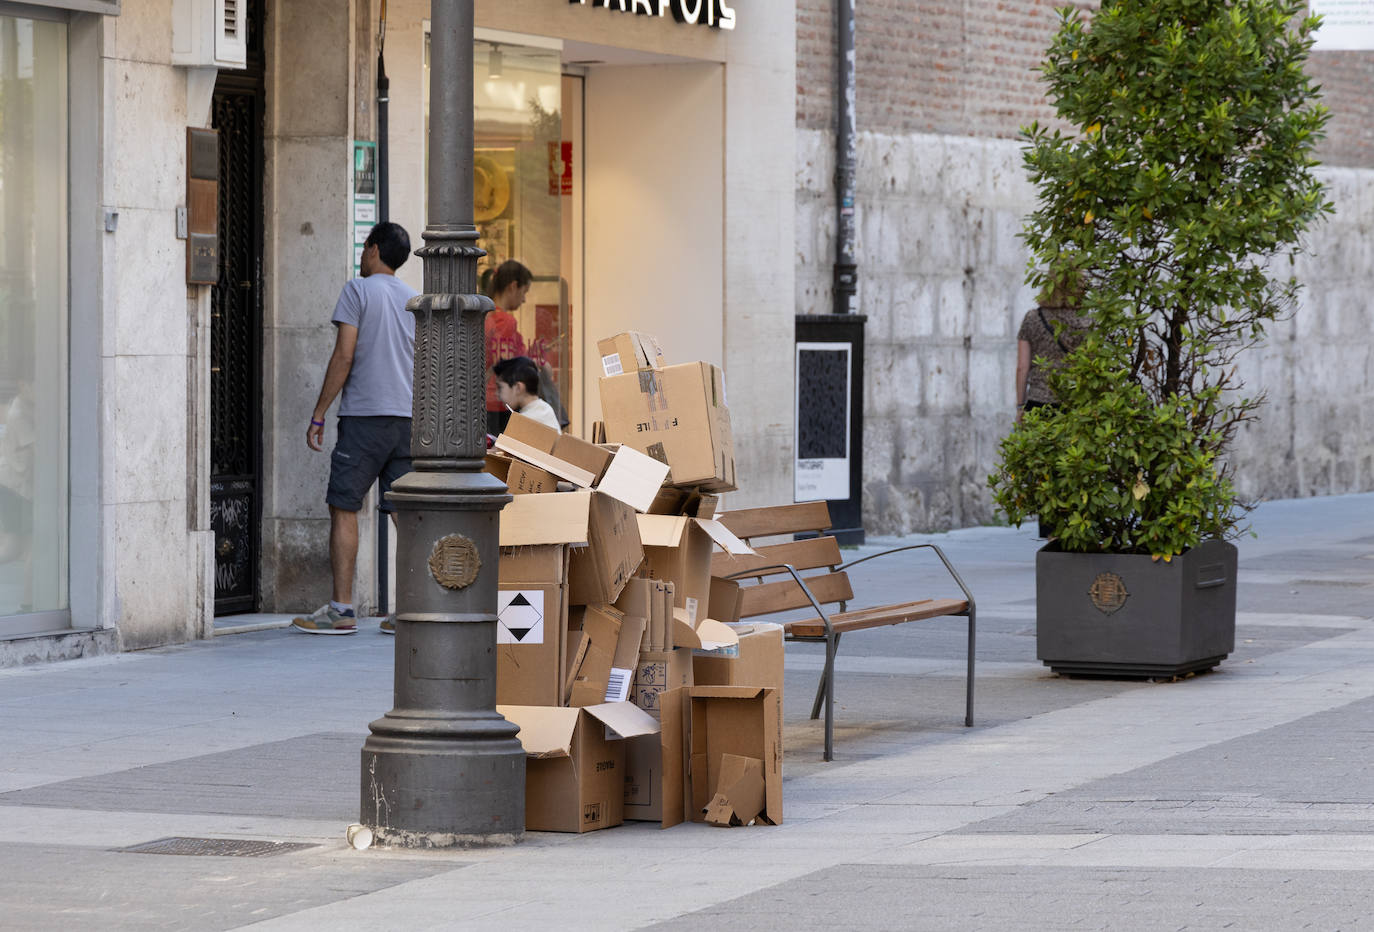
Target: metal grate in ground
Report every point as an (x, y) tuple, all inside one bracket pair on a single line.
[(217, 847)]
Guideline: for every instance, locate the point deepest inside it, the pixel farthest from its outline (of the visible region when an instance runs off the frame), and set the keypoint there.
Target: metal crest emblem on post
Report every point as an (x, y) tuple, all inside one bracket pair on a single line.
[(454, 561), (1108, 593)]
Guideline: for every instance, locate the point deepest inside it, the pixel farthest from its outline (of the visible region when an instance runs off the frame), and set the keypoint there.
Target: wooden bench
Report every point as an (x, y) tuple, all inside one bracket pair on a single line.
[(768, 594)]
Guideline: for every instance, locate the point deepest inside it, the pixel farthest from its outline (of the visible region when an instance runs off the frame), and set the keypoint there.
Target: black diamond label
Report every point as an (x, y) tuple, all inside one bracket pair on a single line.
[(520, 617)]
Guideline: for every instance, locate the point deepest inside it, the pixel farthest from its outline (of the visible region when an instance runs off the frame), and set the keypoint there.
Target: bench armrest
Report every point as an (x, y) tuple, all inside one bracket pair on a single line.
[(968, 596), (743, 574)]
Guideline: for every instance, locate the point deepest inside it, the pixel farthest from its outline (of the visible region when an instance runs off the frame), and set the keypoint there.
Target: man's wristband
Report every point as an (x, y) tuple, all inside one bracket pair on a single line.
[(315, 423)]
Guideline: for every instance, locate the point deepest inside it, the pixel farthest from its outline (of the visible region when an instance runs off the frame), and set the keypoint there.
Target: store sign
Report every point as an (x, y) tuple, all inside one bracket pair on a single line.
[(713, 13), (364, 198), (1347, 25)]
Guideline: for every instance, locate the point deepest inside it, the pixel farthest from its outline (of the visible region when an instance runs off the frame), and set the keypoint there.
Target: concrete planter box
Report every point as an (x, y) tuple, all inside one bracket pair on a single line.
[(1105, 614)]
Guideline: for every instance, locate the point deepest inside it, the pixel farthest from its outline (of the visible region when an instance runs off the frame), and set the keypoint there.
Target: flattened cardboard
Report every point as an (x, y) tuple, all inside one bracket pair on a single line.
[(575, 772), (633, 478), (629, 352), (601, 624), (739, 792), (742, 720), (675, 710), (564, 455), (620, 688), (529, 671), (725, 600), (521, 478), (599, 571), (756, 660), (677, 415), (550, 518)]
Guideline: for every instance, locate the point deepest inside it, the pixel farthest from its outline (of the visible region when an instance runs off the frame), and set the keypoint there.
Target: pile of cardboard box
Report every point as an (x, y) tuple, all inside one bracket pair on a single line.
[(634, 699)]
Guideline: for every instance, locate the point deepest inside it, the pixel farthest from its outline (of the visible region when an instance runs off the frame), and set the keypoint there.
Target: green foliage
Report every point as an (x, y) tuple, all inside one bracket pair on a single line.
[(1190, 174)]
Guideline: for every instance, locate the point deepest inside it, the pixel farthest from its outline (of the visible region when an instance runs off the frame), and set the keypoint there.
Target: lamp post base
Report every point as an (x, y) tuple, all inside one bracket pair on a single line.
[(444, 768)]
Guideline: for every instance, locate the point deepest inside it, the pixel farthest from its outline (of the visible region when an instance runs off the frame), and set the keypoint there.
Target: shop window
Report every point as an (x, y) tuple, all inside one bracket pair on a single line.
[(33, 321), (522, 205)]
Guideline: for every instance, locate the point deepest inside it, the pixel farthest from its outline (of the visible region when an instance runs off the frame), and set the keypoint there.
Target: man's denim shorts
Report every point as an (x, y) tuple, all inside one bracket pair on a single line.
[(368, 449)]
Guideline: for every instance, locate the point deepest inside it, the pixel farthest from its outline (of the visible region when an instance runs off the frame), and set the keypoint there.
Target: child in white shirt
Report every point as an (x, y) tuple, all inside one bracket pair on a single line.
[(517, 385)]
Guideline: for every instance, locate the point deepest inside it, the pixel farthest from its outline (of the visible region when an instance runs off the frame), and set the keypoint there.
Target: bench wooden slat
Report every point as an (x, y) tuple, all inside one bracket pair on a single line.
[(778, 519), (877, 617), (810, 554), (781, 596)]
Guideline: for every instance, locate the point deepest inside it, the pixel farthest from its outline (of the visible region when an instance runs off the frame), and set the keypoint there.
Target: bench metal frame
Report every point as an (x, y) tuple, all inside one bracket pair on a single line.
[(825, 690)]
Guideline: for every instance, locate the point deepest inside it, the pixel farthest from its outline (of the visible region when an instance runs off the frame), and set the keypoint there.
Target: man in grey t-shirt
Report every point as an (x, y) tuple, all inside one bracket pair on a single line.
[(372, 365)]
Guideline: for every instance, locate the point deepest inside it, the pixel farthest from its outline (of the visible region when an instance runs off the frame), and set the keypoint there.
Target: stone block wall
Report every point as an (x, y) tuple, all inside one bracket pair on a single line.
[(943, 88)]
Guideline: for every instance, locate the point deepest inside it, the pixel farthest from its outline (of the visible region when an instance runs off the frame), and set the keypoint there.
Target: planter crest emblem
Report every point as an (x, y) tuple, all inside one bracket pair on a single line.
[(1108, 592)]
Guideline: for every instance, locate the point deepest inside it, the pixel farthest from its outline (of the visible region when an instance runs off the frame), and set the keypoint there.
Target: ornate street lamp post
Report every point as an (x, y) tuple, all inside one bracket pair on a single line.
[(443, 768)]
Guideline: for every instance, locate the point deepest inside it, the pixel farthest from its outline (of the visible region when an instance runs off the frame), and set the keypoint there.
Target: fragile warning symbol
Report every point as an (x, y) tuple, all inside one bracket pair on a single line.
[(520, 617)]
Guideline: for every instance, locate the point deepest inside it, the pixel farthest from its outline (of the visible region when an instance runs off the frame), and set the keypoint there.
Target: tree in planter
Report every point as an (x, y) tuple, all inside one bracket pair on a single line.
[(1190, 174)]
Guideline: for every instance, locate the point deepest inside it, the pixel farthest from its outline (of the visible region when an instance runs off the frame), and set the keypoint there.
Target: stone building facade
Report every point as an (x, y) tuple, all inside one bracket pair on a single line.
[(943, 87)]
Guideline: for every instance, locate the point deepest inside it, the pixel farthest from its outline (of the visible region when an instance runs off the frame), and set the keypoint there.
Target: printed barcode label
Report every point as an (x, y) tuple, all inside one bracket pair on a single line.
[(618, 687), (691, 609), (611, 364)]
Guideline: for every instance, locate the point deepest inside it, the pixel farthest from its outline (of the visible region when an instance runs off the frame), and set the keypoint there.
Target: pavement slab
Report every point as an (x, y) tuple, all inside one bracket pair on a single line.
[(1242, 798)]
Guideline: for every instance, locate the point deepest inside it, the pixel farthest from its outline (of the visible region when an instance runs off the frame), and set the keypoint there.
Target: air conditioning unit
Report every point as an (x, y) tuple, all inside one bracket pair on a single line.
[(210, 33)]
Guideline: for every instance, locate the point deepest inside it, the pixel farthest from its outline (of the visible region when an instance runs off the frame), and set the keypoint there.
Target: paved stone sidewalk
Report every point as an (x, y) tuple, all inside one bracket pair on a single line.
[(1238, 799)]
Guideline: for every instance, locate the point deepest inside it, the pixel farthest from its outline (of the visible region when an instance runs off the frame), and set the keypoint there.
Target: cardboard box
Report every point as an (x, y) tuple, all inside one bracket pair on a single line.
[(658, 671), (755, 661), (575, 772), (521, 478), (677, 415), (599, 571), (564, 455), (725, 600), (629, 352), (709, 722), (606, 548), (651, 600), (677, 549)]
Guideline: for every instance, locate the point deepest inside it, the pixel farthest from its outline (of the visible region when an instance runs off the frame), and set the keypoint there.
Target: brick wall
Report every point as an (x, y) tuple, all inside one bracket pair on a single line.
[(968, 68)]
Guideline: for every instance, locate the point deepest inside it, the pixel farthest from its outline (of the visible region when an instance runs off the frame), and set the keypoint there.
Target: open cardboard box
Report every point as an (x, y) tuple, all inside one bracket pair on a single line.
[(604, 534), (703, 724), (521, 478), (678, 549), (575, 767), (677, 415), (754, 660), (620, 471)]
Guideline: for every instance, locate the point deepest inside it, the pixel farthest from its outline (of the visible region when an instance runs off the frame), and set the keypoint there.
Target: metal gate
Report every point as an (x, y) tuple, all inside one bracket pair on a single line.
[(236, 332)]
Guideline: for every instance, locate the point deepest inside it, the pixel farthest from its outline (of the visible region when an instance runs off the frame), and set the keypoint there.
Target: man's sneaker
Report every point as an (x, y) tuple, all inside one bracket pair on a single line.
[(326, 620), (388, 625)]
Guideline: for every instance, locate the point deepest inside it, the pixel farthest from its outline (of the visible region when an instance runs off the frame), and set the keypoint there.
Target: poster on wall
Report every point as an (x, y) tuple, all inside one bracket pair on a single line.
[(1347, 25), (821, 469), (364, 197)]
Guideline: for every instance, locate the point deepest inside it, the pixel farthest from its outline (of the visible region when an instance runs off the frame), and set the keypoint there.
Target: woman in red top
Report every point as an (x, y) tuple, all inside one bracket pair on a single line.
[(510, 283)]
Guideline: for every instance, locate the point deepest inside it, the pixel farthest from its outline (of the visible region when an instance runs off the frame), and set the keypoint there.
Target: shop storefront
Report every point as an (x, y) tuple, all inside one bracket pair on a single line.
[(33, 321)]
